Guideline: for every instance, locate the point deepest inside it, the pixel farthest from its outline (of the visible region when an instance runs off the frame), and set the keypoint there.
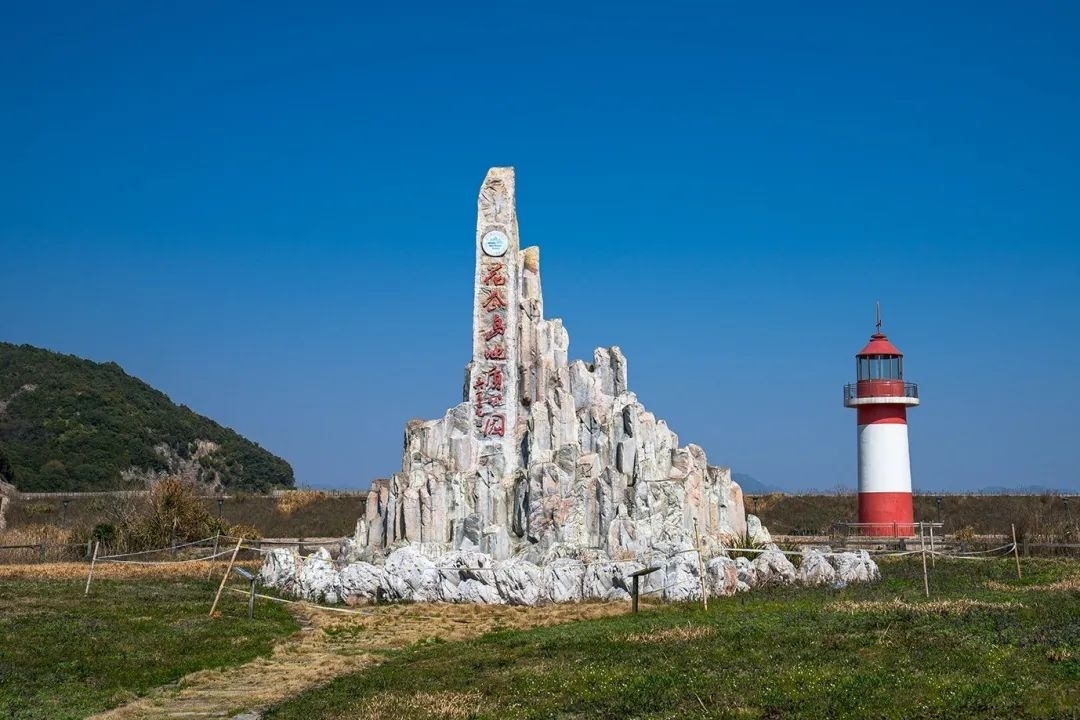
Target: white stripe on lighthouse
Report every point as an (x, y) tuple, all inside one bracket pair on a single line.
[(884, 464)]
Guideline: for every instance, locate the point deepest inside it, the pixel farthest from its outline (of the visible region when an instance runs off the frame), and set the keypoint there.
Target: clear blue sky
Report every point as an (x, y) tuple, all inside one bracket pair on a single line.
[(267, 212)]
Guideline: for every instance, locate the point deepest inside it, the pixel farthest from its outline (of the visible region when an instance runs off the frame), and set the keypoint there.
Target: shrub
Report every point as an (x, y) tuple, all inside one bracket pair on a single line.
[(104, 533), (174, 512)]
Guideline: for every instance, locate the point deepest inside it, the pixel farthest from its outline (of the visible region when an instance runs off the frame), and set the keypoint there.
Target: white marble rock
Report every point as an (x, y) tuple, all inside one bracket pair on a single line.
[(317, 578), (581, 462), (855, 567), (473, 577), (814, 569)]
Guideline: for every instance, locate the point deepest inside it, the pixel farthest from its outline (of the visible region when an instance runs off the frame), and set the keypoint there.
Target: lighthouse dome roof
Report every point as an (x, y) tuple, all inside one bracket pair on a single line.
[(879, 345)]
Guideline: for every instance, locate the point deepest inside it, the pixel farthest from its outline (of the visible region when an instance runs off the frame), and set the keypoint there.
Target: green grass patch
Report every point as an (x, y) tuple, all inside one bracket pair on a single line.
[(878, 651), (63, 655)]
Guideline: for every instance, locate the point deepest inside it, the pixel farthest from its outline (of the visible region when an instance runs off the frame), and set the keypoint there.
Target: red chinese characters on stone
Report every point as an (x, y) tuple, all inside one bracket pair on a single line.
[(493, 275), (494, 425), (489, 384), (488, 390), (498, 328), (494, 299)]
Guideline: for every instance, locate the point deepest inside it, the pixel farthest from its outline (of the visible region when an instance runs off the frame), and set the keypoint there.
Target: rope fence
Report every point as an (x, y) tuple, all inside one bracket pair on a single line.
[(924, 552), (259, 546)]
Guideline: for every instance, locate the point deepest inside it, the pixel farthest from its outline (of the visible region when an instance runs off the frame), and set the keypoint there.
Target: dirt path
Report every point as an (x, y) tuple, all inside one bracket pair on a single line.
[(331, 644)]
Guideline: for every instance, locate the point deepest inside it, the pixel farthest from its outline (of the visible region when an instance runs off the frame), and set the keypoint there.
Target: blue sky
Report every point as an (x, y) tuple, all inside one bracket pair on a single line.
[(267, 212)]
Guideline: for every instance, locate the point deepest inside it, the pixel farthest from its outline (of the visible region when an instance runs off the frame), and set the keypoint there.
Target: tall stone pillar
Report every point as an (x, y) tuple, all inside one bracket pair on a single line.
[(493, 372)]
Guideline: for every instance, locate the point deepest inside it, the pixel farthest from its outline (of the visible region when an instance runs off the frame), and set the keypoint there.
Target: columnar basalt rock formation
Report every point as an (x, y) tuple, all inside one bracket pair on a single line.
[(544, 457)]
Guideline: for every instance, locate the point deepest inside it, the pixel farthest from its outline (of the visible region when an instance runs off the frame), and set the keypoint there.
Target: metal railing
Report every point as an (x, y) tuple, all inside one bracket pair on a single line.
[(881, 388), (914, 528)]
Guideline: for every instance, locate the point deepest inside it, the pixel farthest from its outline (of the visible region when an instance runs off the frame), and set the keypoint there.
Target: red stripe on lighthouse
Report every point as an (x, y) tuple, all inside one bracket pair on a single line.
[(874, 414), (890, 512)]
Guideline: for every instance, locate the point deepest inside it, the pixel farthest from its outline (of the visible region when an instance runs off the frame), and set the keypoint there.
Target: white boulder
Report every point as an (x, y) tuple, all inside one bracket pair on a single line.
[(317, 578), (814, 569), (411, 576), (279, 570), (855, 567), (519, 582), (757, 533), (361, 580), (721, 576), (773, 568), (562, 580)]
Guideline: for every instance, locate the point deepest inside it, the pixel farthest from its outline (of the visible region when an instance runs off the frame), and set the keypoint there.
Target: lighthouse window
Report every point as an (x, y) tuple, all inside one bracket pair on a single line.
[(879, 367)]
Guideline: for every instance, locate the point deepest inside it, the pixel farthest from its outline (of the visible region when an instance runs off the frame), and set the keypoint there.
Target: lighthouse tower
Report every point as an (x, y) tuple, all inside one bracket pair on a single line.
[(881, 399)]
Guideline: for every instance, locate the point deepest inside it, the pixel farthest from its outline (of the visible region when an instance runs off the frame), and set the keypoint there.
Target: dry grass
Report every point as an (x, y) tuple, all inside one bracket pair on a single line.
[(1068, 584), (51, 536), (960, 606), (1059, 655), (394, 626), (289, 502), (442, 705), (115, 571), (679, 633)]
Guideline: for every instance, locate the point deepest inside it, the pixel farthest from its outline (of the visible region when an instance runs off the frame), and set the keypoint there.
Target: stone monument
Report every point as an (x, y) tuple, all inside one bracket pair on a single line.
[(544, 457), (550, 482)]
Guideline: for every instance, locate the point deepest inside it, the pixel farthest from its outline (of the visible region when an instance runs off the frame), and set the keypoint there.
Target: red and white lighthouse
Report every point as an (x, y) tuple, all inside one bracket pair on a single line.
[(881, 398)]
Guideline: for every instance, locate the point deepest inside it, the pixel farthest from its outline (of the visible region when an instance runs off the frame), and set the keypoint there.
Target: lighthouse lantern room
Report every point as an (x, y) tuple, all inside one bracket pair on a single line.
[(881, 398)]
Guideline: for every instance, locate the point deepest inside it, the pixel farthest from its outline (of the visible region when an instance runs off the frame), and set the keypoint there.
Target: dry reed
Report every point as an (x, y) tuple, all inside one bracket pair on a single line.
[(930, 607), (679, 633), (289, 502)]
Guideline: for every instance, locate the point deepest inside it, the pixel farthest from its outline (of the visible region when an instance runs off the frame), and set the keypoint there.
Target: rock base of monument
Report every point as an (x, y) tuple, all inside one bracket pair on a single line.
[(413, 573)]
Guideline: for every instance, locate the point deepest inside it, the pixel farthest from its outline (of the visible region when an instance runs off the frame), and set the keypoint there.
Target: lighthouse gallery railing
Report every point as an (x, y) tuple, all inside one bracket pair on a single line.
[(881, 388)]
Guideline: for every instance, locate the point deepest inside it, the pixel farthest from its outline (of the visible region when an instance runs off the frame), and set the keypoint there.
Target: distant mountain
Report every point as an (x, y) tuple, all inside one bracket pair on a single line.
[(751, 486), (69, 424)]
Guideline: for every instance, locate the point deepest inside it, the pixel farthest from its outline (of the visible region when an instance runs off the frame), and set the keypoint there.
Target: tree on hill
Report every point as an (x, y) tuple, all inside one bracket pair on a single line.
[(69, 424)]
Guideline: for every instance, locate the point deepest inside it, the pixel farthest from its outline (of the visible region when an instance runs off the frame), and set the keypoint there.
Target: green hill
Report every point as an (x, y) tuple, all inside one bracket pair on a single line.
[(68, 424)]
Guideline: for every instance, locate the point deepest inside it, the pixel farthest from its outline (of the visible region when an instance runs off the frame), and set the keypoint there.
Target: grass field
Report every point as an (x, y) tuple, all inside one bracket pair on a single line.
[(984, 646), (63, 655)]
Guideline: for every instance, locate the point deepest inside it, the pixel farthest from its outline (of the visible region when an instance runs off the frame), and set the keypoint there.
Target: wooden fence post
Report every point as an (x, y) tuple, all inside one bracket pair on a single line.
[(933, 556), (213, 556), (93, 560), (226, 576), (925, 578), (701, 570), (1016, 553)]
